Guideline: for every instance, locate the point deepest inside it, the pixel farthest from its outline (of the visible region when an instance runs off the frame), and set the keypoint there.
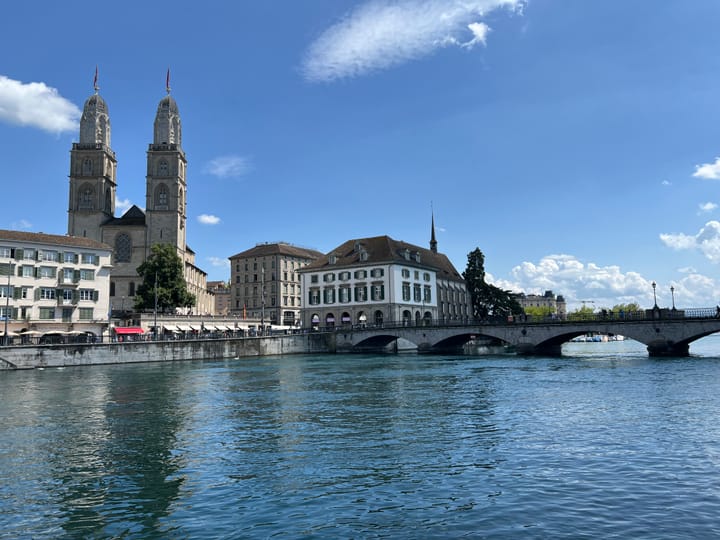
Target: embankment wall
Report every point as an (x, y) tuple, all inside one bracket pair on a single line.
[(41, 356)]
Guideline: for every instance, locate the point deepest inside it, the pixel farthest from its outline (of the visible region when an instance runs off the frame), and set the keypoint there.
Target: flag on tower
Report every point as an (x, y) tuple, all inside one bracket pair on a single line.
[(167, 81), (95, 86)]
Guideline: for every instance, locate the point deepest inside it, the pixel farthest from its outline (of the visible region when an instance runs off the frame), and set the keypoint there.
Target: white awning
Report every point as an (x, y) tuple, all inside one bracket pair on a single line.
[(195, 327), (184, 328)]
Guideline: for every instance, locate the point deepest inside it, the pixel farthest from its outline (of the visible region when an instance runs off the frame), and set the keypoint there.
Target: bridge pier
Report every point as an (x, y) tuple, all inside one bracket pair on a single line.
[(668, 349)]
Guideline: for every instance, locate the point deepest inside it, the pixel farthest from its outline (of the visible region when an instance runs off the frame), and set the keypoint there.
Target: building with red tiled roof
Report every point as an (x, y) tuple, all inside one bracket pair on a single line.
[(380, 280)]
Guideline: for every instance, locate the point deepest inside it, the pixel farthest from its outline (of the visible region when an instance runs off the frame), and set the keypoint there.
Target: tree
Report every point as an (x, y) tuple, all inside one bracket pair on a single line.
[(165, 266), (487, 299)]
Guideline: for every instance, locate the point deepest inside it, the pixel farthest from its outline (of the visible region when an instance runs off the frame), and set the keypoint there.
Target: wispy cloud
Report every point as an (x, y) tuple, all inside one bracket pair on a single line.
[(36, 105), (380, 34), (208, 219), (707, 207), (228, 166), (707, 241), (708, 171), (122, 205), (20, 225), (218, 262)]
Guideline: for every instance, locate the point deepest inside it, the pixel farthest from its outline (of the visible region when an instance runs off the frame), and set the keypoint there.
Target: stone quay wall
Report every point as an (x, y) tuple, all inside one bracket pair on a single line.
[(42, 356)]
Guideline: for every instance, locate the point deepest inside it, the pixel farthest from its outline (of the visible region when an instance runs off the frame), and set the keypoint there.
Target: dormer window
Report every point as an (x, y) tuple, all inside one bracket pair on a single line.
[(406, 254), (332, 259)]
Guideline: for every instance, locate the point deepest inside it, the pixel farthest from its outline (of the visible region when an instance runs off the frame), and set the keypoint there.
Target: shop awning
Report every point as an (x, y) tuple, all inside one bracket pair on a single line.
[(184, 328), (195, 327), (126, 330)]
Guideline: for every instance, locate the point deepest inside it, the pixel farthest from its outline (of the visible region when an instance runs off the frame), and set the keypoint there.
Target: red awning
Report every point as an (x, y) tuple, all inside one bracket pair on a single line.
[(124, 330)]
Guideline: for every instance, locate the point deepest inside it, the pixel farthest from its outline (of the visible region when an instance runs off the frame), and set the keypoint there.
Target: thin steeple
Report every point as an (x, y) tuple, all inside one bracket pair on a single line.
[(433, 241)]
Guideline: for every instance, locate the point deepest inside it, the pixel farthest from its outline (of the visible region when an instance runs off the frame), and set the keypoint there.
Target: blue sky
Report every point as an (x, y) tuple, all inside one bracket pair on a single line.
[(575, 143)]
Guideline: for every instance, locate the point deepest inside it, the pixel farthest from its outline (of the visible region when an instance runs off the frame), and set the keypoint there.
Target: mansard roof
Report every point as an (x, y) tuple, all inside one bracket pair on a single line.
[(52, 239), (278, 248), (385, 250)]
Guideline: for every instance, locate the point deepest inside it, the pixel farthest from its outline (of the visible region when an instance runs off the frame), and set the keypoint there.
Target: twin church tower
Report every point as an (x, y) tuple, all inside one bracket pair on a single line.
[(93, 190)]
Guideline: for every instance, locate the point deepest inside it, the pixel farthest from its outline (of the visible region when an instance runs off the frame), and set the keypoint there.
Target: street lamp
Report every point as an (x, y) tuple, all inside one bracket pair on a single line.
[(672, 293), (654, 296)]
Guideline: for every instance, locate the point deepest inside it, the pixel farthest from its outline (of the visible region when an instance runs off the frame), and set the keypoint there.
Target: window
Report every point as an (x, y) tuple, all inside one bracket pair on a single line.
[(22, 293), (377, 292), (69, 257), (329, 295), (327, 278), (86, 294), (67, 295), (405, 273), (377, 272), (47, 293), (161, 198), (85, 197), (6, 312), (344, 295), (416, 293), (47, 313), (416, 275), (360, 274), (163, 168), (47, 272), (5, 252), (5, 291), (427, 295), (29, 254), (314, 278), (85, 313), (28, 271), (131, 288), (87, 274), (361, 293), (406, 291), (314, 298), (49, 255), (344, 276)]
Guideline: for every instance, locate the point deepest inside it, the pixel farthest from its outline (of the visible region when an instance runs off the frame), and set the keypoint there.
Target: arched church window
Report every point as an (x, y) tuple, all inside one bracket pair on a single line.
[(87, 167), (163, 168), (85, 196), (161, 197), (123, 248)]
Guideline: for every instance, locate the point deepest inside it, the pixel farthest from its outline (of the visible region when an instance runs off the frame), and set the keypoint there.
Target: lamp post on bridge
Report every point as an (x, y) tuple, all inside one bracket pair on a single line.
[(672, 293), (654, 285)]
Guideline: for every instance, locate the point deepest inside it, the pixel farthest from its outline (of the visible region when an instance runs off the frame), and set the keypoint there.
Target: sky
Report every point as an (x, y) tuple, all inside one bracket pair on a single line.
[(575, 143)]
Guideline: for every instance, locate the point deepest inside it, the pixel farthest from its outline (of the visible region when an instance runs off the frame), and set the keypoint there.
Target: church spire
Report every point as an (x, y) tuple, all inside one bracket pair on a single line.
[(433, 241)]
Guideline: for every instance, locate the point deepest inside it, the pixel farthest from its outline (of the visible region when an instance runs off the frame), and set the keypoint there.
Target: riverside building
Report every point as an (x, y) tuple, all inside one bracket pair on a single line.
[(92, 193), (380, 280), (53, 284), (265, 282)]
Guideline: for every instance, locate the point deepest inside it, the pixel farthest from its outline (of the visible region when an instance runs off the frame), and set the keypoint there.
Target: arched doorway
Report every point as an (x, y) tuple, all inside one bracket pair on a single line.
[(378, 318), (330, 320), (345, 319), (315, 321), (362, 319), (406, 317)]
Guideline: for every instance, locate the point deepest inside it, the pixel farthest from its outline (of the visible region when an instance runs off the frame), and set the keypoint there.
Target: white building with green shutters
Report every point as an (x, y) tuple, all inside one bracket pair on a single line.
[(53, 284)]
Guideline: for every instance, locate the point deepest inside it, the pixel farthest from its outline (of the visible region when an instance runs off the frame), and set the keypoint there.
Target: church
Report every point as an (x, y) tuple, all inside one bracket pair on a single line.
[(93, 189)]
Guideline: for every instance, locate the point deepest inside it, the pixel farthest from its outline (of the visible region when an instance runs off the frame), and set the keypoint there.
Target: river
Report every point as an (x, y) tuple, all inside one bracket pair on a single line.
[(604, 442)]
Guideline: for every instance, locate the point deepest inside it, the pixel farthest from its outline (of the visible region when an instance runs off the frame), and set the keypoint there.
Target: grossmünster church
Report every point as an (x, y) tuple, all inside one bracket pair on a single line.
[(93, 188)]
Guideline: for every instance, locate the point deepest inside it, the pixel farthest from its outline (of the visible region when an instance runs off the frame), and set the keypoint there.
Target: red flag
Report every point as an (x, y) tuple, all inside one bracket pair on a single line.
[(167, 81), (95, 86)]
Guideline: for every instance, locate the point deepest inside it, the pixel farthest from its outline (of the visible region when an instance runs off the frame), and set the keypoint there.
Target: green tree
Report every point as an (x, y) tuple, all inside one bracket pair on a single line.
[(487, 299), (582, 313), (165, 265), (539, 311)]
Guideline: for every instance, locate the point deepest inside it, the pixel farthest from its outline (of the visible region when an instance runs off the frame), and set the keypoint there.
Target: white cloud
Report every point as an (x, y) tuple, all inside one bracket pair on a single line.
[(708, 171), (218, 262), (22, 224), (707, 207), (122, 205), (707, 241), (228, 166), (208, 219), (666, 183), (606, 286), (36, 105), (378, 35)]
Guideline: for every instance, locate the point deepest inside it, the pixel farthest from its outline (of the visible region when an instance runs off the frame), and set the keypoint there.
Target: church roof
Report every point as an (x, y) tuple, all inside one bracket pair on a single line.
[(95, 103), (385, 250), (169, 104), (134, 216), (52, 239), (278, 248)]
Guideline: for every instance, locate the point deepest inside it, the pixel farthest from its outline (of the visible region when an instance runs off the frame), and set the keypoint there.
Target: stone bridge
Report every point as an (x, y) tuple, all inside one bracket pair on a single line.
[(669, 336)]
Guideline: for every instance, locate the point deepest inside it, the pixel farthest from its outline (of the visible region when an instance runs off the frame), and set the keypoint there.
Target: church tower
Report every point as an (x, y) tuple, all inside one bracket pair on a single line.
[(165, 181), (93, 170)]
